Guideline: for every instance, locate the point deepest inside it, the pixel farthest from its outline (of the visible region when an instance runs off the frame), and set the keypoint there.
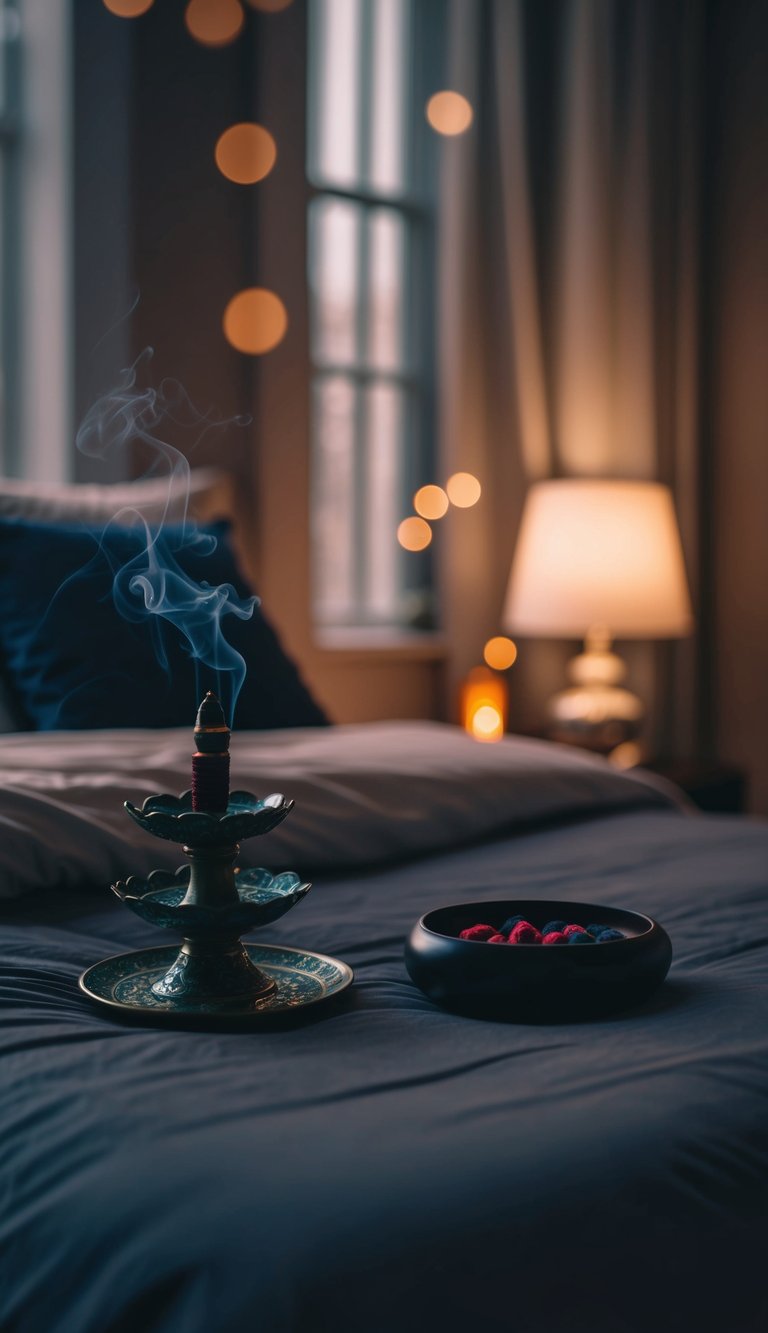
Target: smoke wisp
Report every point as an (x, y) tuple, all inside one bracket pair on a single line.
[(153, 585)]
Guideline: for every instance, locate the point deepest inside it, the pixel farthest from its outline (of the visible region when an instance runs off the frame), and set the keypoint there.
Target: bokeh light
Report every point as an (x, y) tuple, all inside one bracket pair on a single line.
[(255, 321), (214, 22), (500, 653), (449, 113), (627, 755), (463, 489), (128, 9), (270, 6), (245, 153), (487, 723), (483, 704), (414, 534), (430, 502)]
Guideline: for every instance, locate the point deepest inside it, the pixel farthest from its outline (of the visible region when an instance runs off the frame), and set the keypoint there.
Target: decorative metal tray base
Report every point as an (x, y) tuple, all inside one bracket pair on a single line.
[(124, 983)]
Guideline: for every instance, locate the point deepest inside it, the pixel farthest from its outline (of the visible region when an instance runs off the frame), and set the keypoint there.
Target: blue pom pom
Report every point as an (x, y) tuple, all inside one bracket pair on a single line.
[(610, 934), (551, 926), (581, 938), (596, 930), (509, 924)]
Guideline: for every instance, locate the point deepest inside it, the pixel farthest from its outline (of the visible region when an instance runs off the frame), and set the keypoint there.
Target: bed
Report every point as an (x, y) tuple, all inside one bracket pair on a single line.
[(385, 1165)]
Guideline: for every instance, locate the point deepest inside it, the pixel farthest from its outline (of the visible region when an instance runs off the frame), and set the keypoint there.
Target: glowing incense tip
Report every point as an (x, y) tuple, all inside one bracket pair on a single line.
[(210, 762)]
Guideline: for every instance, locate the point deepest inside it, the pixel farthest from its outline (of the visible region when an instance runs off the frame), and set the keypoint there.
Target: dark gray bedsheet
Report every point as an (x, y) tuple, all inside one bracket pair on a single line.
[(390, 1166)]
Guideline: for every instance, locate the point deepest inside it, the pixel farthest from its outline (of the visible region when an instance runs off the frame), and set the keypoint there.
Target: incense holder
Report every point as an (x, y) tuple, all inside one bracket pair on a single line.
[(174, 818), (161, 899), (303, 980), (208, 901)]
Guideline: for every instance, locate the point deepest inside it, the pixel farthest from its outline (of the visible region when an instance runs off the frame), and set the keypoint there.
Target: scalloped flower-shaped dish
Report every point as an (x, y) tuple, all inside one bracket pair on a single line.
[(303, 979), (172, 818), (263, 898)]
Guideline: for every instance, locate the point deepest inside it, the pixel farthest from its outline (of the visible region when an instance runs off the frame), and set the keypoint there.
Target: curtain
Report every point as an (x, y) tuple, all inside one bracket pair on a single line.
[(570, 257)]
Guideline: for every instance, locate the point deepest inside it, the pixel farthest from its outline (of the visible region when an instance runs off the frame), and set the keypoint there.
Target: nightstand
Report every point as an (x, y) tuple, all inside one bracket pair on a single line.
[(710, 785)]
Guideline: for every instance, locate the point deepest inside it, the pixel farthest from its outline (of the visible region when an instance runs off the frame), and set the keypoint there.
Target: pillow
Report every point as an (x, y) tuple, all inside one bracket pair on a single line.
[(370, 793), (203, 494), (72, 661), (157, 498)]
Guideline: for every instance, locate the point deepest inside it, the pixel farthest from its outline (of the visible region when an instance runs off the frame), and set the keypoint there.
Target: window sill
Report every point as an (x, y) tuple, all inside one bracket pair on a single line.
[(382, 645)]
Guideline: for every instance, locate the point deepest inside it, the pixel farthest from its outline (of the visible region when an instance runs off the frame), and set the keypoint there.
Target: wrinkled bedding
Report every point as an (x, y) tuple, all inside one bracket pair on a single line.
[(389, 1166), (364, 795)]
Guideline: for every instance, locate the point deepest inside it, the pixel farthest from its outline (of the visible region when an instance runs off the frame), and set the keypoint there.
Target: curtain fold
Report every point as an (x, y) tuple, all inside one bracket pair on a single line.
[(569, 270)]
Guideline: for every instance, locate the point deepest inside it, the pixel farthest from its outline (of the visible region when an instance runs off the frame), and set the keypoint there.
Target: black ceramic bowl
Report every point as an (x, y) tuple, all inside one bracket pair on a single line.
[(534, 982)]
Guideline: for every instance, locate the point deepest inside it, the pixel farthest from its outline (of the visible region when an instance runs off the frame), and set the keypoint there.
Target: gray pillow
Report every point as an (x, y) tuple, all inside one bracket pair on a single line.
[(94, 504)]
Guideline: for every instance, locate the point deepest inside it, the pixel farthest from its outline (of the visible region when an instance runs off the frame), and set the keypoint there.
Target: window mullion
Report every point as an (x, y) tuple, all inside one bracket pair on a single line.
[(386, 366), (364, 74)]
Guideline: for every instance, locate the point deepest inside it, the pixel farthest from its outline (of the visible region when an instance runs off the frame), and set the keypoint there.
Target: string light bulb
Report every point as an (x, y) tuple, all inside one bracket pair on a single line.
[(449, 113), (414, 534), (500, 653), (128, 9), (255, 321), (464, 490), (245, 153), (430, 502), (214, 22)]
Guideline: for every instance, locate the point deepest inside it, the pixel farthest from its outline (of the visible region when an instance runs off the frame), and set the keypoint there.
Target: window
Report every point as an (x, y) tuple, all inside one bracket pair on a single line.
[(9, 232), (370, 277), (36, 330)]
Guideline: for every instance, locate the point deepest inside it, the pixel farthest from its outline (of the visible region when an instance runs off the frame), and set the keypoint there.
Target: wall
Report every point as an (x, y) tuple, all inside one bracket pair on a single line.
[(740, 425), (162, 243)]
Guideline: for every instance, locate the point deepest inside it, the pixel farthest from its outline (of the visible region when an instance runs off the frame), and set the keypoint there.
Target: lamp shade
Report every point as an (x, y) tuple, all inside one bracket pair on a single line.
[(598, 553)]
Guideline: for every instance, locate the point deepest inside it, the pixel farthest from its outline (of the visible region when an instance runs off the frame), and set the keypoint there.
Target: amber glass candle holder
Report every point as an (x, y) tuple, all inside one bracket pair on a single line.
[(484, 704)]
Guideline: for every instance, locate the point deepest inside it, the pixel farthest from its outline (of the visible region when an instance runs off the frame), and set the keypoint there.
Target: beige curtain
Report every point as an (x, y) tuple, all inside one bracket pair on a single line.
[(568, 259)]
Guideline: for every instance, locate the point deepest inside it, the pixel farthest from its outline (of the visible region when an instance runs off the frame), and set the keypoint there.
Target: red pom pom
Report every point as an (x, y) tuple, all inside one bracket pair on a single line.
[(479, 932), (555, 937), (574, 930), (525, 933), (497, 939)]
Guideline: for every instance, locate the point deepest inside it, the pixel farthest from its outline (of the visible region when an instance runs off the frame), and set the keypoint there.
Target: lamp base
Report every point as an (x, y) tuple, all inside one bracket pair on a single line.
[(595, 712)]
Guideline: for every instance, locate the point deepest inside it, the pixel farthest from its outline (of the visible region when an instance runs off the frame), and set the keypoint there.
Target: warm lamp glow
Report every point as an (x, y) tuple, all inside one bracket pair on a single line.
[(598, 554), (245, 153), (487, 723), (128, 9), (484, 705), (500, 653), (627, 755), (214, 22), (449, 113), (430, 502), (414, 534), (463, 489), (255, 321)]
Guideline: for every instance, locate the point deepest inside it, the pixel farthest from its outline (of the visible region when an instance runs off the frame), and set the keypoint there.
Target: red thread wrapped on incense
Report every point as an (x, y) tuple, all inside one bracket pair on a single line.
[(210, 762)]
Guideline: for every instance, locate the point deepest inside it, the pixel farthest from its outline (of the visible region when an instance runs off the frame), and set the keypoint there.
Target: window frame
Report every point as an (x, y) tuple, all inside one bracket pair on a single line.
[(415, 379), (10, 235)]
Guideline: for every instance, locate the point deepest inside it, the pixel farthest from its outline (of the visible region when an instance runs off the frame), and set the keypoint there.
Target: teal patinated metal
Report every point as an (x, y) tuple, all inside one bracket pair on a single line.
[(172, 818), (127, 985), (210, 904), (261, 899)]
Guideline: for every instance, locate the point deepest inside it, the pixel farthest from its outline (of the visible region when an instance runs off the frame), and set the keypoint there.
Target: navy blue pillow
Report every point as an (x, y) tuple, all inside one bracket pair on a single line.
[(72, 661)]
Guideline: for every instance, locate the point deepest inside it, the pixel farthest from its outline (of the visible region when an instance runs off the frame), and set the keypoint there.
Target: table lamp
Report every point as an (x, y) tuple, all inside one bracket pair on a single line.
[(598, 560)]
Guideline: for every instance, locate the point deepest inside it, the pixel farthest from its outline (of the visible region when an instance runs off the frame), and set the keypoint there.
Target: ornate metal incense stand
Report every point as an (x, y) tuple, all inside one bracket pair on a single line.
[(211, 904)]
